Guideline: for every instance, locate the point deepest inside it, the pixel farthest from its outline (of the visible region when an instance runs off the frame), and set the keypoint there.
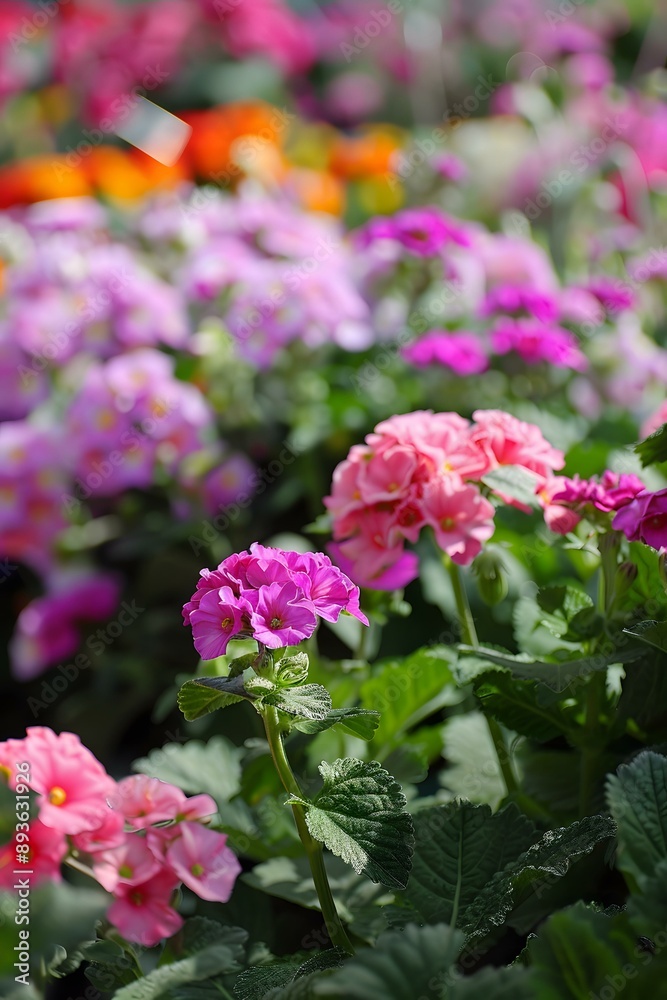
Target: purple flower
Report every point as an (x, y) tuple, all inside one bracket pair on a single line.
[(462, 352), (281, 615), (423, 231), (217, 619), (536, 342)]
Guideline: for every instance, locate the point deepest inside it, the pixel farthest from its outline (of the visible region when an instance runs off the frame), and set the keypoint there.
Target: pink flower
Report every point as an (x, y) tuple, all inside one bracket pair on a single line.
[(508, 441), (132, 862), (201, 859), (644, 519), (143, 801), (47, 848), (654, 422), (462, 352), (535, 341), (617, 489), (397, 576), (281, 616), (143, 913), (217, 619), (460, 516), (71, 784)]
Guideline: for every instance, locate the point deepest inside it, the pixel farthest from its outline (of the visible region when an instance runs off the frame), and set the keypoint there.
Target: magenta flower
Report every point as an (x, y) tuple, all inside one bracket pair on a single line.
[(201, 859), (217, 619), (462, 352), (281, 615), (644, 519), (131, 862)]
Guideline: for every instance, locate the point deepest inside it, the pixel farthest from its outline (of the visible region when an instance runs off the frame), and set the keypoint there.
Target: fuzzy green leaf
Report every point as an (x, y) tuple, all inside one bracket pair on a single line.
[(637, 796), (311, 701), (213, 767), (516, 482), (202, 695), (458, 848), (548, 859), (359, 722), (403, 964), (360, 815), (653, 448)]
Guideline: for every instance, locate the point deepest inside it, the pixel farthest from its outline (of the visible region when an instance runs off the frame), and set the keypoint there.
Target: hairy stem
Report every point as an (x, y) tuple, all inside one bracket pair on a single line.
[(311, 846), (469, 636)]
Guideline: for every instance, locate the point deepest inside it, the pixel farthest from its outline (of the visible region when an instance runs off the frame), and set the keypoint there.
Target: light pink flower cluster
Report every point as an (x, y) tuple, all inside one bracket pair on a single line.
[(111, 827), (420, 469), (269, 595), (566, 500)]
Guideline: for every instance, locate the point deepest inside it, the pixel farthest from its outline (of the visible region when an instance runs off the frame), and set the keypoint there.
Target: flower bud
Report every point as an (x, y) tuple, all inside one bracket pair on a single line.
[(293, 669), (491, 574)]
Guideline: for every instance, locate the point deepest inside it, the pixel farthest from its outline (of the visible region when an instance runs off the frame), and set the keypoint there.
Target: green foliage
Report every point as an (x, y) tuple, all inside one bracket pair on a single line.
[(637, 796), (458, 848), (359, 722), (653, 448), (412, 962), (514, 481), (360, 816), (213, 767), (311, 701)]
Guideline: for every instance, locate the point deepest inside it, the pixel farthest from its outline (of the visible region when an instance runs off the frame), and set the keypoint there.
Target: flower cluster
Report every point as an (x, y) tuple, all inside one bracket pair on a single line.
[(139, 837), (567, 500), (424, 469), (270, 595)]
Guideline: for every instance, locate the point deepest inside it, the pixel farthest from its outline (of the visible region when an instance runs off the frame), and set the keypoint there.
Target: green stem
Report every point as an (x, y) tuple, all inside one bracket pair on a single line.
[(590, 751), (311, 846), (469, 636)]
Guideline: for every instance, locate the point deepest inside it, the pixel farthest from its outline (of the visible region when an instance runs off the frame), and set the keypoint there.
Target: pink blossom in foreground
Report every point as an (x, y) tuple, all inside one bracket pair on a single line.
[(201, 859), (47, 848), (269, 594), (72, 785), (143, 913)]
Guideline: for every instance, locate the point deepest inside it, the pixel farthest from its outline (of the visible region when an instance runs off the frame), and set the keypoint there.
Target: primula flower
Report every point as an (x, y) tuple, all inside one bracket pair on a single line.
[(281, 616), (644, 519), (132, 862), (71, 784), (461, 518), (47, 848), (217, 619), (142, 800), (269, 594), (143, 913), (201, 859)]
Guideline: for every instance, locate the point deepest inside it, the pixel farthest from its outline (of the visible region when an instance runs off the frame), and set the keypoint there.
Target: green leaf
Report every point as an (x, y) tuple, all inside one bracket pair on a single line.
[(213, 767), (407, 691), (557, 676), (458, 848), (405, 963), (359, 722), (311, 701), (637, 796), (548, 859), (257, 981), (652, 633), (517, 704), (653, 448), (579, 952), (647, 907), (360, 816), (514, 983), (472, 770), (225, 955), (291, 879), (199, 696), (516, 482)]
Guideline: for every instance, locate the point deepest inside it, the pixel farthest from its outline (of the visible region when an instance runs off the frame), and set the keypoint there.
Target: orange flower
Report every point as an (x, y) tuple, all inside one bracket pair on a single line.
[(317, 190), (214, 133), (365, 155)]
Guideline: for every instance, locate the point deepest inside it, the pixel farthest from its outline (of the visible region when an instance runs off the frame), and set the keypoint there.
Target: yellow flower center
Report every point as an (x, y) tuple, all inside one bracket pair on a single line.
[(197, 870), (5, 772), (447, 523), (276, 622), (125, 871), (57, 795), (225, 623)]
